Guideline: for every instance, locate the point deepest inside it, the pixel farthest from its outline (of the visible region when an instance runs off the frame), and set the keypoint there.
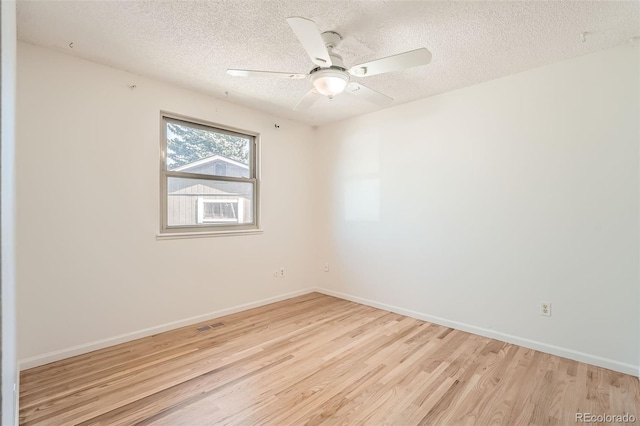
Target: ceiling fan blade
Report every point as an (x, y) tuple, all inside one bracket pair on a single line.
[(363, 92), (307, 100), (250, 73), (398, 62), (307, 32)]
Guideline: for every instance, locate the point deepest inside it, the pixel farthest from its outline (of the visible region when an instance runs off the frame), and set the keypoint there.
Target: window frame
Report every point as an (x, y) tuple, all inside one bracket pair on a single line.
[(200, 230)]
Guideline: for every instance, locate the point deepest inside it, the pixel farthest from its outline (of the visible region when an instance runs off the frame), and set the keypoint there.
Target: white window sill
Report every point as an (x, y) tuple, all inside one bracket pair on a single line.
[(186, 235)]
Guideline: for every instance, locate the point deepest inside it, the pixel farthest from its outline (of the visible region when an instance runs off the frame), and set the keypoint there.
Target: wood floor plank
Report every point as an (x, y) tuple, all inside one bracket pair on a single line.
[(319, 360)]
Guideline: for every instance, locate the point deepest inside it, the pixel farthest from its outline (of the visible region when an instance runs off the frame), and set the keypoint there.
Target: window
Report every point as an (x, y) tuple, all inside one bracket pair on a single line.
[(208, 178)]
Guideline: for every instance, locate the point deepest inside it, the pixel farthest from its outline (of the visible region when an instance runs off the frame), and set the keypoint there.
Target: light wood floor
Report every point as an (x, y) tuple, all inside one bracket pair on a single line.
[(314, 360)]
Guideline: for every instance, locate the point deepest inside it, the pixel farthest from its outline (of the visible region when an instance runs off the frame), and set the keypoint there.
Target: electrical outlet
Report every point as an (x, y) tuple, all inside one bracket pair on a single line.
[(545, 309), (282, 271), (326, 267)]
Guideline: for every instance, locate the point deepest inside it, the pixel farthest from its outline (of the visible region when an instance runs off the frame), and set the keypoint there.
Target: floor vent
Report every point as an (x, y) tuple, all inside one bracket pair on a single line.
[(204, 328), (218, 324)]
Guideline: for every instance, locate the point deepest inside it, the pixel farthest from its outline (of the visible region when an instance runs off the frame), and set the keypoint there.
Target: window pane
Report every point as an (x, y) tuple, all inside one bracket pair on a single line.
[(192, 149), (203, 202)]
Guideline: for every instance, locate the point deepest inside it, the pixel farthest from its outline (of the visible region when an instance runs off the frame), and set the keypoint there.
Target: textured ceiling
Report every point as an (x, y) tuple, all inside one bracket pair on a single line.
[(193, 43)]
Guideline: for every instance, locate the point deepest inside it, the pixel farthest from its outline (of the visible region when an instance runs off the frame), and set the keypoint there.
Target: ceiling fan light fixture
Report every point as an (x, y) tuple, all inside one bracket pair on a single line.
[(330, 82)]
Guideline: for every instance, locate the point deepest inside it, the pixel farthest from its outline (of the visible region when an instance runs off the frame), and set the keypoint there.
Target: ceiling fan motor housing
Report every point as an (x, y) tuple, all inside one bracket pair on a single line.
[(333, 80)]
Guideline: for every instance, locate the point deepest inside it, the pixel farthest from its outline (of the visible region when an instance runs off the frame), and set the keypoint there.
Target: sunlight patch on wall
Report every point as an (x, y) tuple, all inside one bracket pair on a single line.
[(362, 200)]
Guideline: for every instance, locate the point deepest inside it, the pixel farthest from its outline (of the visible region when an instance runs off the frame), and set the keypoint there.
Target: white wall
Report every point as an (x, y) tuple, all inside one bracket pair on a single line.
[(471, 207), (89, 265), (467, 209), (10, 377)]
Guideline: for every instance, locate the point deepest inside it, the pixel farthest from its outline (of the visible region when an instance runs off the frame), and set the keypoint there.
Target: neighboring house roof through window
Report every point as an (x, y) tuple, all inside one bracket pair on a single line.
[(207, 160)]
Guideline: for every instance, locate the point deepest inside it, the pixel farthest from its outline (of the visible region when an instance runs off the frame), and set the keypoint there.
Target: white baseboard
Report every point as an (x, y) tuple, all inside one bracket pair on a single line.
[(527, 343), (38, 360), (622, 367)]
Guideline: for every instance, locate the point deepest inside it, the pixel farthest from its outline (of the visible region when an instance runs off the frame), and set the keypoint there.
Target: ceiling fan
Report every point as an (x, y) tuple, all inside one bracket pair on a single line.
[(331, 77)]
